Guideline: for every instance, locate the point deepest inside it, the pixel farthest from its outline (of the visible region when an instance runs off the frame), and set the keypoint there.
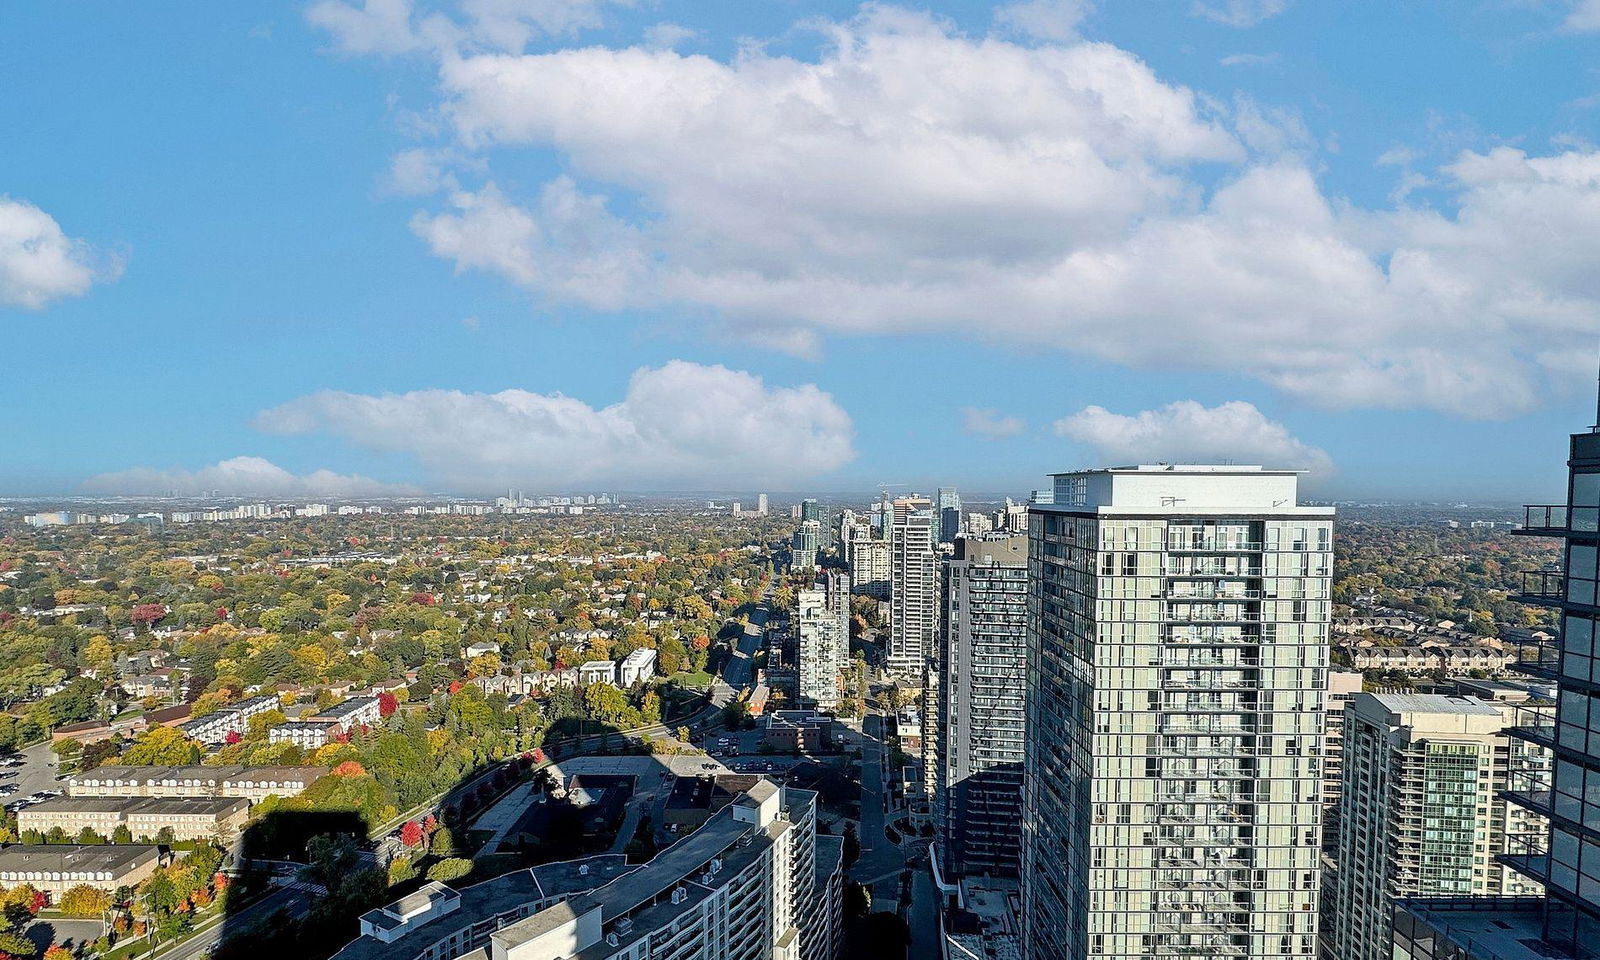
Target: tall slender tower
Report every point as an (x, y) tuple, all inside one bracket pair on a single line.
[(981, 667), (913, 585), (1177, 657)]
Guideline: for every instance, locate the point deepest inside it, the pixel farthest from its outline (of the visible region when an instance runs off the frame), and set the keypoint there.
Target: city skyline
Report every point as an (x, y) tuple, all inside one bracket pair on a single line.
[(385, 246)]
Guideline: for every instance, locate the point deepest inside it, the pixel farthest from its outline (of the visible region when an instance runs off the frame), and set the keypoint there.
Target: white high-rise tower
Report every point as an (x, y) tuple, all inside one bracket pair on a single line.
[(1177, 658)]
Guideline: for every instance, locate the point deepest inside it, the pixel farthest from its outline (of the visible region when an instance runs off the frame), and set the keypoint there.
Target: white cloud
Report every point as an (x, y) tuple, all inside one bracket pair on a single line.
[(989, 423), (405, 26), (680, 426), (372, 26), (1240, 13), (242, 477), (1250, 59), (1059, 195), (1585, 17), (1055, 20), (39, 262), (667, 35), (1188, 432)]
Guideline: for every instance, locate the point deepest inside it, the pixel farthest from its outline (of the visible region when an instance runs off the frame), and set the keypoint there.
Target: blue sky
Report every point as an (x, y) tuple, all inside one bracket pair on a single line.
[(377, 244)]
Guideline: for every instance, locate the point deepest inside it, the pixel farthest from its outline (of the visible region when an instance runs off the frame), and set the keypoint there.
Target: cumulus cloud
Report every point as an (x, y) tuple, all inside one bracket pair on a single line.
[(1188, 432), (910, 178), (1044, 19), (983, 422), (1240, 13), (39, 262), (242, 477), (679, 426)]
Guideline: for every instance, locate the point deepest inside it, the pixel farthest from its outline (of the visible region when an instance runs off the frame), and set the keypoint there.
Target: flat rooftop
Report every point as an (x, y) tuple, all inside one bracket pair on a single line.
[(155, 806), (1511, 929), (491, 898), (666, 869), (75, 859)]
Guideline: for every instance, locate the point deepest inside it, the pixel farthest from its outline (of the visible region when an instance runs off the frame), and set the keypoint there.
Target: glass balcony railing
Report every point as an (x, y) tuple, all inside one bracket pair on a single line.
[(1544, 517), (1541, 586)]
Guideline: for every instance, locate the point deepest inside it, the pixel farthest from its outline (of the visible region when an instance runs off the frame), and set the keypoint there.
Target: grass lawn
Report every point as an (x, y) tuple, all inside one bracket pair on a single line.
[(698, 680)]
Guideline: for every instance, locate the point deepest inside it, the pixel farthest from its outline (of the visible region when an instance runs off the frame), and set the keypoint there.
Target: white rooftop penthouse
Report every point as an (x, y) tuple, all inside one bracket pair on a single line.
[(1198, 489)]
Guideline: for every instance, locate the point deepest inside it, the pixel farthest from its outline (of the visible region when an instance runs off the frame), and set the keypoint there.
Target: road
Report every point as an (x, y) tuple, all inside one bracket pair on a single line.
[(881, 861), (294, 899)]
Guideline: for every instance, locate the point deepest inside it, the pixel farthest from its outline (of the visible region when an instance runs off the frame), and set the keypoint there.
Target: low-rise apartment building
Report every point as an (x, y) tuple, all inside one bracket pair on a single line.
[(312, 734), (213, 728), (57, 868), (249, 783), (352, 713), (211, 818)]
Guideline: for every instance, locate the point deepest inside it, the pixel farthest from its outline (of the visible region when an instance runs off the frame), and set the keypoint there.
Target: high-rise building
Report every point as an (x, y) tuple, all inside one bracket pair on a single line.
[(869, 566), (1342, 686), (1177, 656), (1565, 857), (949, 504), (822, 627), (761, 504), (913, 586), (809, 510), (755, 882), (1423, 810), (804, 545), (982, 670)]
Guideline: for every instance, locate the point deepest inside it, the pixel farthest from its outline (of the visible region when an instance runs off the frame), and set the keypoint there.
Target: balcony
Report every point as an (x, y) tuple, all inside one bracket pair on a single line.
[(1186, 545), (1540, 734), (1544, 519), (1541, 588), (1203, 615)]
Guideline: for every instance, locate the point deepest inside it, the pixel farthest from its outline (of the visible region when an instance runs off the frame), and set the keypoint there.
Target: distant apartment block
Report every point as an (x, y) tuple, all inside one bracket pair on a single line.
[(56, 868), (1342, 686), (311, 734), (982, 671), (352, 713), (248, 783), (913, 586), (213, 728), (822, 630), (1423, 811), (218, 819)]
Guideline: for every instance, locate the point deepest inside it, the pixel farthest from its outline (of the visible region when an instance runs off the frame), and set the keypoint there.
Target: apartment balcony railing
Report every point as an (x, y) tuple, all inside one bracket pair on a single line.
[(1173, 592), (1231, 862), (1232, 881), (1541, 587), (1189, 545), (1200, 659), (1542, 734), (1212, 616), (1188, 748), (1544, 518), (1211, 924), (1194, 570), (1192, 728), (1209, 683)]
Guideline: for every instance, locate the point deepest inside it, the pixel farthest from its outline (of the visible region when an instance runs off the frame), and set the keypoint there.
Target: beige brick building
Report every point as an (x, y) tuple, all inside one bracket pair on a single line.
[(211, 818)]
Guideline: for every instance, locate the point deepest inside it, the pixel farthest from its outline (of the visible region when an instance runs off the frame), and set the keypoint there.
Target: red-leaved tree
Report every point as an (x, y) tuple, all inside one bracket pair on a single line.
[(388, 703), (147, 613), (411, 833)]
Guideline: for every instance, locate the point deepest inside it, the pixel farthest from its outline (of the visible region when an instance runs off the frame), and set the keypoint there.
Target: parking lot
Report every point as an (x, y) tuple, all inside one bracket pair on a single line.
[(29, 777)]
